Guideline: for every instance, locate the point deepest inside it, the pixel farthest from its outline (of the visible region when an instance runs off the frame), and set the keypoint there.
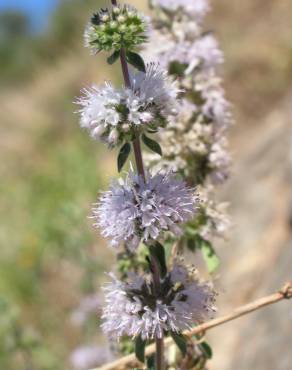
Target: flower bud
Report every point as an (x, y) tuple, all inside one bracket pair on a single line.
[(121, 18), (98, 131), (113, 24), (116, 10), (130, 14), (105, 17), (125, 127), (113, 136)]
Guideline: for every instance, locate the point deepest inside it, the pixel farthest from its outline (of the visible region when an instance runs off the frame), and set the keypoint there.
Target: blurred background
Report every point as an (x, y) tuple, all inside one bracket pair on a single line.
[(52, 261)]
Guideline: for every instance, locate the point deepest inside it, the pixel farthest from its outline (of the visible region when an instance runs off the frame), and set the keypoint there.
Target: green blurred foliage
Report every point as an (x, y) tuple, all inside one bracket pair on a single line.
[(22, 53), (48, 247)]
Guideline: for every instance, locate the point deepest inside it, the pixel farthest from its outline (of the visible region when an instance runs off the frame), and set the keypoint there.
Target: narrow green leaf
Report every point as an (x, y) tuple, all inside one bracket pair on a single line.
[(158, 252), (180, 341), (151, 362), (136, 61), (113, 58), (140, 349), (191, 244), (123, 155), (209, 256), (152, 144), (206, 349)]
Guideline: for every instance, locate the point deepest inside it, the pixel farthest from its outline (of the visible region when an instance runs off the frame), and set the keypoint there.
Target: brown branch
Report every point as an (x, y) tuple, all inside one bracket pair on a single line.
[(283, 293)]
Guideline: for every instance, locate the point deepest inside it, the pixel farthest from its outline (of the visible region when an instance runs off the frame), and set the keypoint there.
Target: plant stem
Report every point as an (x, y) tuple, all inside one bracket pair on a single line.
[(159, 358), (155, 274), (159, 342), (136, 141), (140, 169), (125, 68), (138, 157)]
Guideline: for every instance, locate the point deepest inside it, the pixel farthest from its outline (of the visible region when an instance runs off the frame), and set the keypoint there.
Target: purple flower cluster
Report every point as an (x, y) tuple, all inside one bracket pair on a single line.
[(116, 115), (134, 210), (134, 309), (195, 145)]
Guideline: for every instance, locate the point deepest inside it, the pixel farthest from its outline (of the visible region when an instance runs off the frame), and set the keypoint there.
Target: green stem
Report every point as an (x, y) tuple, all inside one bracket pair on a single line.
[(136, 141)]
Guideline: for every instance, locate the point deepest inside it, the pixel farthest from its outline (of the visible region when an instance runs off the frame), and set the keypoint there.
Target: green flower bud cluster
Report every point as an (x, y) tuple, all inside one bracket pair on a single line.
[(119, 27)]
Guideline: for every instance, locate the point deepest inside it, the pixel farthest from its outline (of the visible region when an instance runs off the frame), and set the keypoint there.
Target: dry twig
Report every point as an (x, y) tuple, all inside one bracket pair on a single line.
[(284, 293)]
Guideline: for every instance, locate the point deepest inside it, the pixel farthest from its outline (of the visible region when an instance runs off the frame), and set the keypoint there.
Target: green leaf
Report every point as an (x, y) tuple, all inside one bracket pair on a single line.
[(114, 57), (140, 349), (209, 256), (158, 252), (151, 144), (181, 341), (150, 362), (206, 349), (136, 61), (123, 155), (178, 69)]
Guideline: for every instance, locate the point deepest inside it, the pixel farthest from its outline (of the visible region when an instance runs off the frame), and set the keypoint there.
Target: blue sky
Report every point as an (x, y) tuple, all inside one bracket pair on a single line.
[(38, 10)]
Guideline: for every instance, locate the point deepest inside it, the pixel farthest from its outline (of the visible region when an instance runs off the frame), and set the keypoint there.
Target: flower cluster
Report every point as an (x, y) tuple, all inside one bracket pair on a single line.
[(120, 27), (194, 143), (119, 115), (201, 53), (194, 8), (134, 210), (134, 309), (211, 220)]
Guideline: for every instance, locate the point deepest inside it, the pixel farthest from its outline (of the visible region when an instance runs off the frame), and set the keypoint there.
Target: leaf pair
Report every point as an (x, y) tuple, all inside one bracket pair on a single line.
[(126, 150), (132, 58)]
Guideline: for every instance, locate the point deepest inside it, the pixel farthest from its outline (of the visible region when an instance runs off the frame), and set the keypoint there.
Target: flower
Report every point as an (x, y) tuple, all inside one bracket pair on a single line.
[(134, 210), (203, 53), (117, 115), (155, 87), (215, 106), (212, 220), (219, 161), (121, 27), (194, 145), (193, 8), (134, 309)]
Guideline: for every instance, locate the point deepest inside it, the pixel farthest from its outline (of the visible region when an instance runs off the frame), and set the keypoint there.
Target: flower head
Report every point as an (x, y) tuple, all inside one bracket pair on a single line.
[(121, 27), (133, 308), (117, 115), (134, 210)]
